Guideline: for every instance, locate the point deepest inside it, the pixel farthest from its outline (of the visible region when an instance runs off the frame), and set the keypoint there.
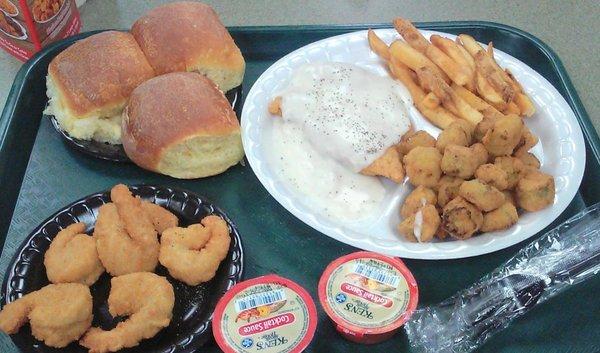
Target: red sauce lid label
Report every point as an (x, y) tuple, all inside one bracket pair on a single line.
[(368, 293), (267, 314)]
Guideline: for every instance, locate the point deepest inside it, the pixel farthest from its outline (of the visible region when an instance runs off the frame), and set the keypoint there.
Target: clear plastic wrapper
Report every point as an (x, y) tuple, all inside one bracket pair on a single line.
[(562, 257)]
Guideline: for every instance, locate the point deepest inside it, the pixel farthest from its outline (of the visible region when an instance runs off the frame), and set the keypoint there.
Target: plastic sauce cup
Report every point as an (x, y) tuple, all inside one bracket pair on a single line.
[(268, 314), (368, 296)]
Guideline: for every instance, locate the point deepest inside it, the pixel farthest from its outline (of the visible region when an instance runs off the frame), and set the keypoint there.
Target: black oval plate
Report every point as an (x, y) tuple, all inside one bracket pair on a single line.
[(116, 153), (190, 327)]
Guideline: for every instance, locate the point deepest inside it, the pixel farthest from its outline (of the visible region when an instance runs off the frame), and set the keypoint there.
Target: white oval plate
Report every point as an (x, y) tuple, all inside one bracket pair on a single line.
[(561, 151)]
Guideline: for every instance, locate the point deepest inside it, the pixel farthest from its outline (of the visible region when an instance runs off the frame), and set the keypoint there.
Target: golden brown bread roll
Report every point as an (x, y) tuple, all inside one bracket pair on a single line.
[(188, 36), (88, 84), (180, 124)]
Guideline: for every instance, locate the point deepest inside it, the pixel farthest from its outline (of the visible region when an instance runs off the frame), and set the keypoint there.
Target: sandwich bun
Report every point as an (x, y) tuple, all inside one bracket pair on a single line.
[(180, 124), (188, 36)]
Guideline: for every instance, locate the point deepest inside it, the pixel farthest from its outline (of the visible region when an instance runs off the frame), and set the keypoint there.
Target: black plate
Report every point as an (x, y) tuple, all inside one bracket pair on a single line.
[(116, 153), (190, 327)]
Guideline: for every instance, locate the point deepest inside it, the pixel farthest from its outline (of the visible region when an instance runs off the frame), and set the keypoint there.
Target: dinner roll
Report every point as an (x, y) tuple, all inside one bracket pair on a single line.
[(88, 84), (180, 124), (188, 36)]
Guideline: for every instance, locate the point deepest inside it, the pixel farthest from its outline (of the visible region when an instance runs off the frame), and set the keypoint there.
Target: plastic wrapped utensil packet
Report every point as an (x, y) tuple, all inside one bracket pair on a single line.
[(564, 256)]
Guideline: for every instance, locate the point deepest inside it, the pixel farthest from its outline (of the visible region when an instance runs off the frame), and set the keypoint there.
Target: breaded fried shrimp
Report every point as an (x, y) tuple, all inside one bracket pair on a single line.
[(161, 218), (193, 254), (119, 253), (58, 313), (72, 257), (147, 299)]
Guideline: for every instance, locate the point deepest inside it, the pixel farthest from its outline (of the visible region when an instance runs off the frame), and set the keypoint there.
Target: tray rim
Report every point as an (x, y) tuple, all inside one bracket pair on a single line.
[(17, 87)]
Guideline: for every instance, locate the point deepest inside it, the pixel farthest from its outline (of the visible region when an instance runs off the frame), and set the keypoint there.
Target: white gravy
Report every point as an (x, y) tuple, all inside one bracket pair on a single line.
[(337, 119)]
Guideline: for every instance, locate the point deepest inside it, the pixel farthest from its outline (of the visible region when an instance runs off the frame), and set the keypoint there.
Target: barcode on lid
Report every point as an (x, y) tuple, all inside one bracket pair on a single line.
[(376, 274), (259, 299)]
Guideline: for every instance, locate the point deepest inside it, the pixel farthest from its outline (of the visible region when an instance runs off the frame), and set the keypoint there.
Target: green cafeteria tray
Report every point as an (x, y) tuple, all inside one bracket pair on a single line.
[(40, 174)]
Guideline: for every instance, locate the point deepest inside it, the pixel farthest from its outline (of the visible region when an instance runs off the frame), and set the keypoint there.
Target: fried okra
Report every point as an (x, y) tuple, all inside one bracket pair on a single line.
[(461, 219), (535, 191), (458, 133), (481, 154), (527, 141), (421, 226), (420, 197), (482, 195), (501, 218), (493, 175), (422, 166), (513, 167), (529, 160), (504, 136), (412, 139), (459, 161), (448, 189)]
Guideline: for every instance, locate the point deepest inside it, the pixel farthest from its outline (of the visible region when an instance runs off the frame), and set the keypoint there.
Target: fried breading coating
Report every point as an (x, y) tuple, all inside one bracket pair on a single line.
[(421, 226), (137, 223), (147, 299), (481, 154), (535, 191), (58, 313), (527, 141), (501, 218), (161, 218), (423, 166), (513, 167), (72, 257), (493, 175), (414, 139), (418, 198), (461, 219), (529, 160), (482, 195), (504, 136), (459, 161), (118, 251), (389, 165), (483, 127), (193, 254), (458, 133), (509, 196), (448, 189)]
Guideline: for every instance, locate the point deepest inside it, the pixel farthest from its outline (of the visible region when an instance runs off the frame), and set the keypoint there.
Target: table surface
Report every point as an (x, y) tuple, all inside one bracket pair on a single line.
[(569, 27)]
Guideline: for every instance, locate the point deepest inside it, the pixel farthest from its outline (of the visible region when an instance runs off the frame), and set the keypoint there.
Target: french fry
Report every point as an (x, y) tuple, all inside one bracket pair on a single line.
[(487, 92), (448, 97), (411, 34), (512, 108), (495, 76), (412, 58), (438, 116), (473, 100), (403, 73), (458, 73), (431, 101), (492, 113), (525, 104), (378, 46), (521, 99), (465, 54), (470, 44), (453, 50)]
